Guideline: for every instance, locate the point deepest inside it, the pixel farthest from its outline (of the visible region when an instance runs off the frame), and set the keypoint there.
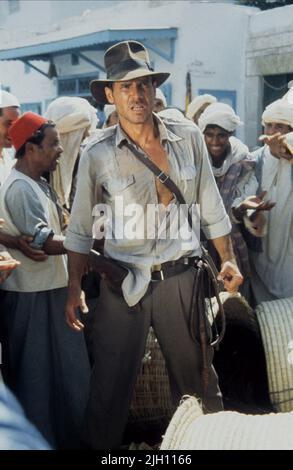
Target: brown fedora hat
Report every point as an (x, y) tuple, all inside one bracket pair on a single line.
[(125, 61)]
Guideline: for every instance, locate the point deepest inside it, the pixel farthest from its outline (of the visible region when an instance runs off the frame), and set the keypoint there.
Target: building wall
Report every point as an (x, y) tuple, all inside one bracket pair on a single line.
[(269, 51), (211, 45), (213, 52), (32, 15), (37, 14)]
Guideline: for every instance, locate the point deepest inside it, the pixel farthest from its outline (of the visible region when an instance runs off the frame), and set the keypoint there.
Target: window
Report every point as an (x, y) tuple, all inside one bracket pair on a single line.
[(33, 107), (67, 86), (75, 86), (13, 6), (224, 96), (275, 86)]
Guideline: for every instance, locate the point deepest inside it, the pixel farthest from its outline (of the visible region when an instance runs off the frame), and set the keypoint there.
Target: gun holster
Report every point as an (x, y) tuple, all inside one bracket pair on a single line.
[(109, 269)]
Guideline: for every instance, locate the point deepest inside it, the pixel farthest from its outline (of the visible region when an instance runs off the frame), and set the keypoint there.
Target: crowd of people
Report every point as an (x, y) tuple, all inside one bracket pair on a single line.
[(74, 372)]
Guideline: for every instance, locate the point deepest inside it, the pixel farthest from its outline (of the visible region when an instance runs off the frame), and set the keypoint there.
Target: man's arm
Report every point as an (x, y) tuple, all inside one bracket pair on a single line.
[(79, 235), (54, 245), (22, 243), (229, 274), (76, 267)]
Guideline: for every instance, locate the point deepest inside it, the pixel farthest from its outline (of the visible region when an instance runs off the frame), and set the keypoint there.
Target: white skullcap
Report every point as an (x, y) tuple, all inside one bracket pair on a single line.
[(72, 113), (219, 114), (109, 109), (289, 95), (197, 103), (278, 111), (7, 100), (160, 96), (173, 114)]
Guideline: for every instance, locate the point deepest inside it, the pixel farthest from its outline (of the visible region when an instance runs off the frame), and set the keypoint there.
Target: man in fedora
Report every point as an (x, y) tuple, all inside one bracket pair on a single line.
[(157, 289)]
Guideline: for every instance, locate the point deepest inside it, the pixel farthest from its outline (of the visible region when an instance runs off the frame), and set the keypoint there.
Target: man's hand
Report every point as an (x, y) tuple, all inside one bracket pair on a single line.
[(7, 264), (75, 300), (231, 276), (278, 146), (23, 245), (256, 223), (252, 203)]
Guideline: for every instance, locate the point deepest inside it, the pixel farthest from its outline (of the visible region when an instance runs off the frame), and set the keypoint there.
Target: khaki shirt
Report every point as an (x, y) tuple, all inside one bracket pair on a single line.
[(109, 172)]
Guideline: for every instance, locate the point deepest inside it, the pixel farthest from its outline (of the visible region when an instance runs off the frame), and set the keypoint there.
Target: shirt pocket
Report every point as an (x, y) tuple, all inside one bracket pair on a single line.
[(187, 183), (116, 185), (122, 187)]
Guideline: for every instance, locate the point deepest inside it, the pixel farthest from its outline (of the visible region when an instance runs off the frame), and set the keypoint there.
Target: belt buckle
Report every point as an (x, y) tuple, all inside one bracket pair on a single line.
[(158, 268)]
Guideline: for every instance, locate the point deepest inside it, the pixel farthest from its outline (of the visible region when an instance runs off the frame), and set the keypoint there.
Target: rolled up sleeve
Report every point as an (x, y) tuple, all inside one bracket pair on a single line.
[(27, 213), (79, 236)]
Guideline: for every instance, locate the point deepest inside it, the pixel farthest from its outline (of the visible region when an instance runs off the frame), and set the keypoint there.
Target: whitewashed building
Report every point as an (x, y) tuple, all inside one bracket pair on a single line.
[(229, 50)]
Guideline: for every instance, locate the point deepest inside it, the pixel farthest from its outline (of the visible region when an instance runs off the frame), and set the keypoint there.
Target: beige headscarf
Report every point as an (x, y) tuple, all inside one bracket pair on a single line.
[(289, 95), (72, 116), (219, 114), (160, 96), (279, 111), (197, 103)]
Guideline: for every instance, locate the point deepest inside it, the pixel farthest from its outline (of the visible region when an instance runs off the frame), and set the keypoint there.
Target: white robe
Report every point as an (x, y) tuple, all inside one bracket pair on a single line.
[(6, 163), (274, 265)]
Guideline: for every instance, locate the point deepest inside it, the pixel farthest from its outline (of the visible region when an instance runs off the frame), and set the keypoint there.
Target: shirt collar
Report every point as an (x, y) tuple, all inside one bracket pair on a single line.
[(165, 133)]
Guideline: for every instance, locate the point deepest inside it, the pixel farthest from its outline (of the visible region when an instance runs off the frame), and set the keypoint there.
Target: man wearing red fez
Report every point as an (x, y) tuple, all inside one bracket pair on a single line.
[(45, 363), (9, 112)]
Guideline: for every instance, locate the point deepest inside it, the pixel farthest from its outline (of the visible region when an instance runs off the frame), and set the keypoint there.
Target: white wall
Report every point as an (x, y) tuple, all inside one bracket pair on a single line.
[(269, 51), (211, 44), (37, 14), (29, 88), (32, 15)]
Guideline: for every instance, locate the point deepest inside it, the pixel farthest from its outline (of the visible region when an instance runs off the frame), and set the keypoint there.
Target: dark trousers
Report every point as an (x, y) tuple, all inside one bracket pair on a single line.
[(119, 338)]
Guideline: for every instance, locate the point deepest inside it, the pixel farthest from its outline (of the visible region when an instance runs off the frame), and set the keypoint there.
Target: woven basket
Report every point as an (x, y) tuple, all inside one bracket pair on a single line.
[(189, 429), (275, 319), (152, 402)]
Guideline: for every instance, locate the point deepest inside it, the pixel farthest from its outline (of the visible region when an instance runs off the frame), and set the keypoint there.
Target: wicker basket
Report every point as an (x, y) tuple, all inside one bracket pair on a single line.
[(152, 402)]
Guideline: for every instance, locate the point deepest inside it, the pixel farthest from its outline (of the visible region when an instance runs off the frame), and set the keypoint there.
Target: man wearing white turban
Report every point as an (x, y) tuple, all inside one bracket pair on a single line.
[(233, 169), (273, 267), (9, 111), (111, 116), (198, 105), (75, 120), (160, 101)]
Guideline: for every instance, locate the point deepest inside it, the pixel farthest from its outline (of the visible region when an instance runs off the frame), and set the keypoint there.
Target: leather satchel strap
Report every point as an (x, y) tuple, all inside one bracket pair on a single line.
[(208, 262), (160, 175)]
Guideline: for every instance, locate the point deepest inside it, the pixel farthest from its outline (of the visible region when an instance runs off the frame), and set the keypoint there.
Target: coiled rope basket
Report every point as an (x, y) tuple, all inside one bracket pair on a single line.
[(275, 320), (263, 366), (189, 429)]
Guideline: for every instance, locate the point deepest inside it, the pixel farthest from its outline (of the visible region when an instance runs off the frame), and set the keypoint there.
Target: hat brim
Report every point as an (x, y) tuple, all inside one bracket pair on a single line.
[(97, 87)]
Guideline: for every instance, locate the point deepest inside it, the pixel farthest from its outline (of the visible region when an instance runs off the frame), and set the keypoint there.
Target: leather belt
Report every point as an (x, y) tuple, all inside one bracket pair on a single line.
[(162, 271)]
